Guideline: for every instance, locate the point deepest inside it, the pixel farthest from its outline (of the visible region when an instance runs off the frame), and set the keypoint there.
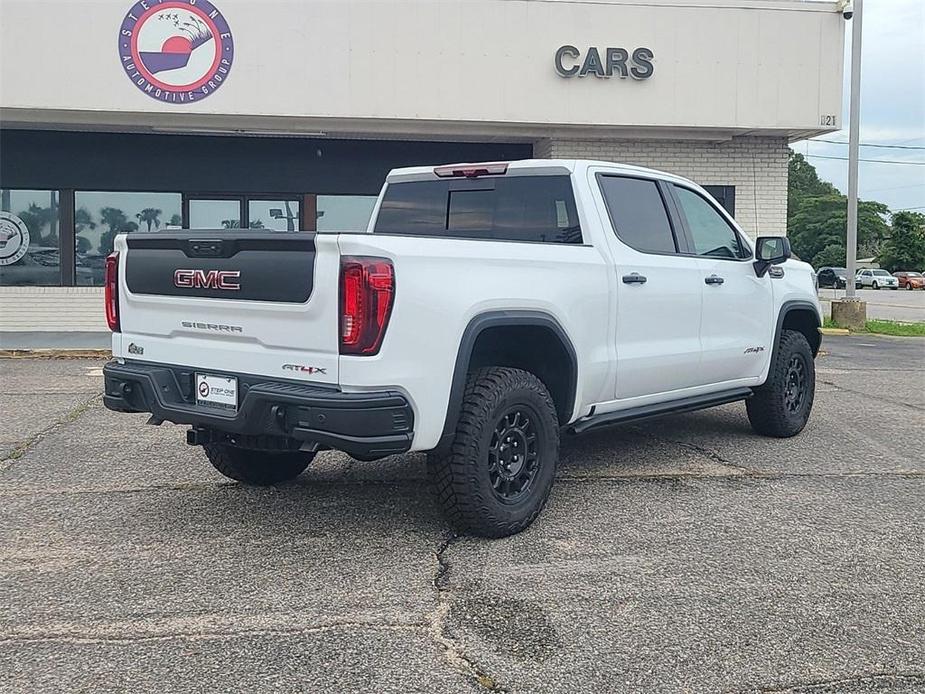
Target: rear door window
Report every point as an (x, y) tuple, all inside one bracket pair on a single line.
[(638, 213), (518, 208)]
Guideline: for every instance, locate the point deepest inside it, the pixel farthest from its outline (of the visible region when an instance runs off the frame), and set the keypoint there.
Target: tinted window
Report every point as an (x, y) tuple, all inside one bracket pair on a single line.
[(519, 208), (712, 235), (638, 214)]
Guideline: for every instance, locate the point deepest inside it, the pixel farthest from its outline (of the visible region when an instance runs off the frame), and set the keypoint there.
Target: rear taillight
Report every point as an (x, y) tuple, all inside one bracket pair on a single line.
[(112, 291), (367, 289)]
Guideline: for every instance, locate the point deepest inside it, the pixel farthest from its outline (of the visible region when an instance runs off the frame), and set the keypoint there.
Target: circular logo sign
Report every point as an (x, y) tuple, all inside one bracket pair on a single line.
[(178, 51), (14, 238), (204, 389)]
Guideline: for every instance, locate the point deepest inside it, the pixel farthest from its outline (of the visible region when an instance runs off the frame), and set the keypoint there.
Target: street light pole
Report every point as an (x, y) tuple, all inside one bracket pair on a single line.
[(854, 133)]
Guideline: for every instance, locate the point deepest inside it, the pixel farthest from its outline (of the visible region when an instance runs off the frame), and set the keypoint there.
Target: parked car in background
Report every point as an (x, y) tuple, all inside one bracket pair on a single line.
[(835, 277), (875, 279), (910, 280)]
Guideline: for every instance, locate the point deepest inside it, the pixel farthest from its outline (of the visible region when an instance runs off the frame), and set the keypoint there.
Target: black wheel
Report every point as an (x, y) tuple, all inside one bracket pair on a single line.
[(496, 476), (875, 285), (260, 468), (781, 406), (909, 285)]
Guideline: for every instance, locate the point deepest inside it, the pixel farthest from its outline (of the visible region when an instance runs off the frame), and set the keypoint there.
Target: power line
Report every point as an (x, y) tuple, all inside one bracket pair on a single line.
[(907, 209), (870, 161), (869, 144), (881, 190)]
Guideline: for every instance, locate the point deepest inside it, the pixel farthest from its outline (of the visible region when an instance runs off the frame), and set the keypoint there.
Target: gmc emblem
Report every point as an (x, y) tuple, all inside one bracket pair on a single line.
[(208, 279)]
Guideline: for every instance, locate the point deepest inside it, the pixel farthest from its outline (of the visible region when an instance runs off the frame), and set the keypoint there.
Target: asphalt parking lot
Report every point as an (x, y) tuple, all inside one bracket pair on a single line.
[(679, 555), (883, 304)]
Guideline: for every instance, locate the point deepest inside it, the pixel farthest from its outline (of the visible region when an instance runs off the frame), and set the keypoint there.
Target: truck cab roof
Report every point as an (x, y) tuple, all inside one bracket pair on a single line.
[(525, 167)]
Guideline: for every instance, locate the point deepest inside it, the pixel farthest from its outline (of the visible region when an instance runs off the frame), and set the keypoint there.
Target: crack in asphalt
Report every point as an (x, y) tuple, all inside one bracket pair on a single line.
[(213, 635), (822, 685), (754, 475), (19, 451), (438, 626), (917, 408), (746, 474)]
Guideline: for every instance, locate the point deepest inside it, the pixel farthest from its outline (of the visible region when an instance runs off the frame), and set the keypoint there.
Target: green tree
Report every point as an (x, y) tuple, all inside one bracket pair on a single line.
[(817, 217), (832, 255), (905, 249), (83, 222)]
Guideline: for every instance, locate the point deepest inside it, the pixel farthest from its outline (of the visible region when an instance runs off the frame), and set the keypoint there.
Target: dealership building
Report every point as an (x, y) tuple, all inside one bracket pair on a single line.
[(147, 115)]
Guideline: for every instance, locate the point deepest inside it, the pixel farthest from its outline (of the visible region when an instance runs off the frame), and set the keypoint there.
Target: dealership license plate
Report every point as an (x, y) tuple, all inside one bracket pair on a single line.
[(217, 392)]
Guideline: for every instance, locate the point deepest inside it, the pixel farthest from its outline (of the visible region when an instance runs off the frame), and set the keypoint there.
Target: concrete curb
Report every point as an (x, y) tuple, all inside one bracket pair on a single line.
[(55, 354), (835, 331)]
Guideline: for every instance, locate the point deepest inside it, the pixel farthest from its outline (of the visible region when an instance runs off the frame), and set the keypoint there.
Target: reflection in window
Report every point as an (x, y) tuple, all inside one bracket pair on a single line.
[(29, 239), (344, 212), (100, 216), (279, 215), (214, 214)]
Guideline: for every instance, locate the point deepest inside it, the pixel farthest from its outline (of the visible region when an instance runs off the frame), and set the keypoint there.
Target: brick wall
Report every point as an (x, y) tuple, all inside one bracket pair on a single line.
[(52, 309), (756, 166)]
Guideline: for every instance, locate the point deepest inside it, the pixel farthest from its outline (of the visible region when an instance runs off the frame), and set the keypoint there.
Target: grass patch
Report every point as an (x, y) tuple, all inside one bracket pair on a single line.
[(891, 327), (885, 327)]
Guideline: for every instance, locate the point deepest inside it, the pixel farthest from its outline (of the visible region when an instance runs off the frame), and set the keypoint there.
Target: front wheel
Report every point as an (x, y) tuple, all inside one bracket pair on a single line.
[(781, 406), (495, 478), (261, 468), (875, 286)]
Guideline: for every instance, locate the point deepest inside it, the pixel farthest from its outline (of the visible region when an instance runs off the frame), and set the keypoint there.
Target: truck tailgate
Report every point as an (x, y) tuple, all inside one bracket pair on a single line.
[(245, 301)]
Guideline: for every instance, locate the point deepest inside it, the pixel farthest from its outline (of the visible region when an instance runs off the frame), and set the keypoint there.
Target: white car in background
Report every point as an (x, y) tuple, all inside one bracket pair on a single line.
[(875, 279)]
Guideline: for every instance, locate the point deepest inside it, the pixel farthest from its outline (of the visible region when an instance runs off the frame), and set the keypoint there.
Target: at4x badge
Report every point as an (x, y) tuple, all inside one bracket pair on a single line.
[(310, 370)]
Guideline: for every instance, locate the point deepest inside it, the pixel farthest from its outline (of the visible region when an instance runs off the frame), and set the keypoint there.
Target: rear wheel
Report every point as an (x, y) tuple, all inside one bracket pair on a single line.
[(261, 468), (875, 285), (781, 406), (495, 478)]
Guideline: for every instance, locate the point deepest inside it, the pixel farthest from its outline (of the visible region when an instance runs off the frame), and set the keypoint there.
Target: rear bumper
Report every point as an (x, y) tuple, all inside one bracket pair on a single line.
[(365, 425)]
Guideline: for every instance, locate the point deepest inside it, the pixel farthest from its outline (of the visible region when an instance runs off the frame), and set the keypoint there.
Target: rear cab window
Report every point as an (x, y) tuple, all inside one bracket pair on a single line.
[(529, 208)]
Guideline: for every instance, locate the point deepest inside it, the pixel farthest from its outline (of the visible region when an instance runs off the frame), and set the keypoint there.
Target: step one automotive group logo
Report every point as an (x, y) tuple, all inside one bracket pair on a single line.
[(179, 51), (14, 238)]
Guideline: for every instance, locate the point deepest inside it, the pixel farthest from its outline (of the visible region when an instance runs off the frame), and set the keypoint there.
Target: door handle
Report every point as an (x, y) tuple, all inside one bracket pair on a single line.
[(714, 279), (634, 278)]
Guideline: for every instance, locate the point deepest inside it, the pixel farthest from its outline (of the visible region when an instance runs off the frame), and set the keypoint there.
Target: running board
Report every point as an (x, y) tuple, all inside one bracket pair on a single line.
[(697, 402)]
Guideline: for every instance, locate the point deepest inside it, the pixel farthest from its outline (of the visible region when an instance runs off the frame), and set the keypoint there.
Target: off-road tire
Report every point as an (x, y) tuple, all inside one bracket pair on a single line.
[(772, 410), (463, 475), (261, 468)]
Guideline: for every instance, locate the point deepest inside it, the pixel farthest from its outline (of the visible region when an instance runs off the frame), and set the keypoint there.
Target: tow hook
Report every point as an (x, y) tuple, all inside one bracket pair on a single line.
[(198, 436)]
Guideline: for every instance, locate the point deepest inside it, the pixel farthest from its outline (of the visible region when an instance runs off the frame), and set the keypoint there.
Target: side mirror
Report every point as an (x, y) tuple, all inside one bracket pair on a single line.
[(770, 250)]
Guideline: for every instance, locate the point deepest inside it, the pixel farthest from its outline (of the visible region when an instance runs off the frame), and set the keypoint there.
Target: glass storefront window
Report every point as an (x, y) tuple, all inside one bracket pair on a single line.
[(345, 212), (279, 215), (214, 214), (100, 216), (29, 241)]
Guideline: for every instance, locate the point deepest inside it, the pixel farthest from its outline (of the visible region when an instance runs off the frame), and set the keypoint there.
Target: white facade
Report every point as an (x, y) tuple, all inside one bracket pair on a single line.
[(731, 83)]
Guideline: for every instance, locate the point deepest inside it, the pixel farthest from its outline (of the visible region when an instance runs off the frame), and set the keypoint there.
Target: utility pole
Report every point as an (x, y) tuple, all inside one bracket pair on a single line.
[(854, 134), (852, 312)]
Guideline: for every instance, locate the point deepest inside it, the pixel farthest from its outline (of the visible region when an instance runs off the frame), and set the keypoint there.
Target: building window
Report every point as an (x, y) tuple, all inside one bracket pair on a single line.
[(725, 196), (30, 244), (279, 215), (344, 212), (100, 216)]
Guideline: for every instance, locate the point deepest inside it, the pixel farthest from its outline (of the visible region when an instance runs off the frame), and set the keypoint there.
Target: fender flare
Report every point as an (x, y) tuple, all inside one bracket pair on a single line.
[(789, 307), (493, 319)]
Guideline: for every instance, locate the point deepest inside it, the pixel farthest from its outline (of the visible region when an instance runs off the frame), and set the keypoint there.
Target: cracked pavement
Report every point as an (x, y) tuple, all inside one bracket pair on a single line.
[(682, 554)]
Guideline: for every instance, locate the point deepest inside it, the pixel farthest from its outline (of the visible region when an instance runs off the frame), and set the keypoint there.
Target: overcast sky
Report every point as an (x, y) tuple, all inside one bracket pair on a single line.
[(892, 107)]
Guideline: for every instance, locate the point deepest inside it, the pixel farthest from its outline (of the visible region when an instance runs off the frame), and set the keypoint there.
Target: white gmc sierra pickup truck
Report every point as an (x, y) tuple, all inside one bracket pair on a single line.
[(486, 309)]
